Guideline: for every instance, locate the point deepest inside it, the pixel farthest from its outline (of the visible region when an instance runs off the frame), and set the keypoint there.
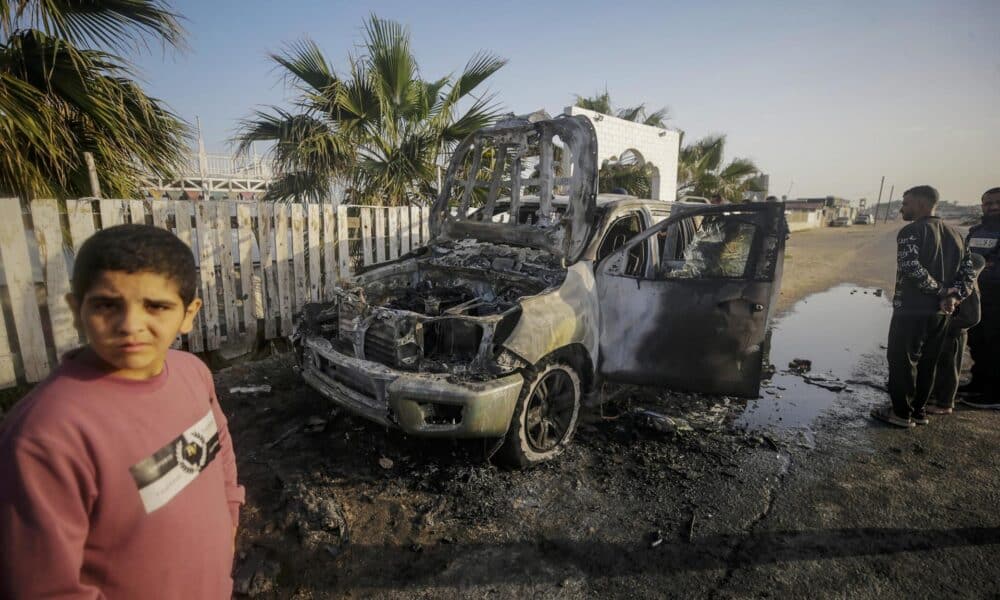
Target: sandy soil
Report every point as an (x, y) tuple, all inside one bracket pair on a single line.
[(818, 259)]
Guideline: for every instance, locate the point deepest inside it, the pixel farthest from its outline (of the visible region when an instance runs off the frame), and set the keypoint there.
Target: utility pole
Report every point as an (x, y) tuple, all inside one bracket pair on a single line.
[(888, 207), (879, 203)]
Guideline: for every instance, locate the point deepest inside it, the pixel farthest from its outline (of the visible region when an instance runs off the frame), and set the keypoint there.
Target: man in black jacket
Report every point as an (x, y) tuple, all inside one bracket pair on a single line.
[(984, 339), (934, 272)]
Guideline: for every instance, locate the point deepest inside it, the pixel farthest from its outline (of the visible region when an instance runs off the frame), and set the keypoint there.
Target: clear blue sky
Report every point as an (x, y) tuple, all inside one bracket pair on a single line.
[(825, 96)]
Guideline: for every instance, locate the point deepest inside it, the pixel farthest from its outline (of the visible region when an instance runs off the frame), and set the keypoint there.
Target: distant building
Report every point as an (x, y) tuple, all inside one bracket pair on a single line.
[(804, 213)]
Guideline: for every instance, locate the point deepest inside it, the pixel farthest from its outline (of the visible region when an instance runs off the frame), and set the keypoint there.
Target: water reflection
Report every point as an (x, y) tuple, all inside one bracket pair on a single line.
[(836, 330)]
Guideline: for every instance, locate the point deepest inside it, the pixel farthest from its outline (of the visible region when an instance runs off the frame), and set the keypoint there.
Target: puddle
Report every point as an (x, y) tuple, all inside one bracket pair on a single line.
[(841, 331)]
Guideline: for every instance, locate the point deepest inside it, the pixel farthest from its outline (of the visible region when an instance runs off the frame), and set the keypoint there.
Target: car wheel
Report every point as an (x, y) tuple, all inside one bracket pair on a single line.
[(545, 416)]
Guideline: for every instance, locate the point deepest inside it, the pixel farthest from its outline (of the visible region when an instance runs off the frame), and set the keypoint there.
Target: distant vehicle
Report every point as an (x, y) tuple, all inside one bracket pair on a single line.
[(841, 222), (864, 220)]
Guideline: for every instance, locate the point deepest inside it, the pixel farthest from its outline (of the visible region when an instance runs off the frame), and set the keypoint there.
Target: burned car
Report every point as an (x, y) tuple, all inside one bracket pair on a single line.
[(534, 289)]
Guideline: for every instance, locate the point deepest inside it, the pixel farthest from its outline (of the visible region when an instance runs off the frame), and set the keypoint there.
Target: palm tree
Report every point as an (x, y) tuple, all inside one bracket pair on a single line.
[(381, 128), (701, 171), (64, 92), (637, 114)]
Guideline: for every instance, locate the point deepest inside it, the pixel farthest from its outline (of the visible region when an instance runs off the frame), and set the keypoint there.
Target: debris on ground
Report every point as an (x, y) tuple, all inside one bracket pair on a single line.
[(800, 365), (385, 463), (655, 538), (827, 382), (662, 423), (251, 389), (316, 515)]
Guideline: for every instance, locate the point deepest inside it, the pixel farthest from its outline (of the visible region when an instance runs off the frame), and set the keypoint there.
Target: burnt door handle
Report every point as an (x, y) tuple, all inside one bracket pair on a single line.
[(757, 307)]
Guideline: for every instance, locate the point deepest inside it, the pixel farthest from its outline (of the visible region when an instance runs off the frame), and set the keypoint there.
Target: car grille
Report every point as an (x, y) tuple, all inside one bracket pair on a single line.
[(381, 345)]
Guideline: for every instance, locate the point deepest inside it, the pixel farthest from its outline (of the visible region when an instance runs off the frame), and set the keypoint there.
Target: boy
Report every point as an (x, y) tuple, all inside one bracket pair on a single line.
[(117, 473), (949, 363)]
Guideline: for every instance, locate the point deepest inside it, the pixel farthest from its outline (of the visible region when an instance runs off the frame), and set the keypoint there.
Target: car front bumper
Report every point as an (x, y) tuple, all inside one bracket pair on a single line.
[(422, 404)]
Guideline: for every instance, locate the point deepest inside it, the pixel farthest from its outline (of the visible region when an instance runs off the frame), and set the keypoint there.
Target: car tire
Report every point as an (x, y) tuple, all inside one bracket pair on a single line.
[(545, 415)]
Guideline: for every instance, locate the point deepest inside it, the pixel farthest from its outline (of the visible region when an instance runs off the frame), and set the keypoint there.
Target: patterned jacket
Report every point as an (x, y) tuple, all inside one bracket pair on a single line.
[(931, 258)]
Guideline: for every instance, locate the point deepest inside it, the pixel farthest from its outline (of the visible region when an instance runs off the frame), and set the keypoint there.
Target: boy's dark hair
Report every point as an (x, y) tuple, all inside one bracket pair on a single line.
[(995, 190), (923, 191), (136, 249)]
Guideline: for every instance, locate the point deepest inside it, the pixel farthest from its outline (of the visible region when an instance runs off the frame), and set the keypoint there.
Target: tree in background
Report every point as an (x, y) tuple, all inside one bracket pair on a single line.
[(637, 114), (701, 171), (64, 91), (382, 129)]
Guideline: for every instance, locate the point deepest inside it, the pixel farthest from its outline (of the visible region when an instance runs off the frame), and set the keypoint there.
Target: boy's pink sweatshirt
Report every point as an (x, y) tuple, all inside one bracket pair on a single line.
[(113, 488)]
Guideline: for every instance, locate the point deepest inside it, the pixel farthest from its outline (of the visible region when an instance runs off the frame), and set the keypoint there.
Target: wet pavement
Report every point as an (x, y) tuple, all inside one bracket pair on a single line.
[(842, 332)]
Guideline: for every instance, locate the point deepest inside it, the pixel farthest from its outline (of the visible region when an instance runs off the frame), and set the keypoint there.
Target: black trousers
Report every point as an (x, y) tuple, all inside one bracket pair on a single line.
[(914, 345), (949, 367), (984, 346)]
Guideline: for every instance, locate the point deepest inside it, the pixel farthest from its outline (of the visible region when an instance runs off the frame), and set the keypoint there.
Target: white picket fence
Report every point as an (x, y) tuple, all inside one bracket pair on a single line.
[(306, 248)]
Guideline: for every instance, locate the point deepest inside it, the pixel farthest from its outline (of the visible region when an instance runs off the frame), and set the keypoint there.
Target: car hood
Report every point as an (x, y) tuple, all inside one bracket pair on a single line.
[(552, 161)]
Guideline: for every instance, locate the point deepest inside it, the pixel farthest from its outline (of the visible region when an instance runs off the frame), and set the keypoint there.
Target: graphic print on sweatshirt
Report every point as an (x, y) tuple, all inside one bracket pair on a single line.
[(170, 469)]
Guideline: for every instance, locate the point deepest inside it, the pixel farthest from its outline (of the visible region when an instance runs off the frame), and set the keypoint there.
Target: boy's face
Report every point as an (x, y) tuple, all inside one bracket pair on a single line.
[(131, 319)]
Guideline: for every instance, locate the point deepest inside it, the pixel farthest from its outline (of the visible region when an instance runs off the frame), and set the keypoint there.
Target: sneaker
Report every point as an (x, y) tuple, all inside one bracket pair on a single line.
[(983, 403), (920, 418), (886, 415), (939, 410)]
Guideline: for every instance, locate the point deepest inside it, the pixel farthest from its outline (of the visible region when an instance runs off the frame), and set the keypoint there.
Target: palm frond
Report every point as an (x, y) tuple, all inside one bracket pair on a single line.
[(304, 62), (658, 118), (115, 24), (634, 113)]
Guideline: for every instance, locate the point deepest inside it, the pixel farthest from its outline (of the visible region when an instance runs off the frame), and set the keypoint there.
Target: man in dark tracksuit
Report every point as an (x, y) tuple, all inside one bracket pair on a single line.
[(949, 363), (934, 273), (984, 339)]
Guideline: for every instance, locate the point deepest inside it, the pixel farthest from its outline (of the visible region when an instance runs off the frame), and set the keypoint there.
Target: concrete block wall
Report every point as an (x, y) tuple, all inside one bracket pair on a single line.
[(659, 147)]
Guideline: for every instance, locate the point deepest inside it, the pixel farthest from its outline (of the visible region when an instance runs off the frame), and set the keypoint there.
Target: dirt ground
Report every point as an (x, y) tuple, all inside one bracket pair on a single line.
[(700, 508), (818, 259)]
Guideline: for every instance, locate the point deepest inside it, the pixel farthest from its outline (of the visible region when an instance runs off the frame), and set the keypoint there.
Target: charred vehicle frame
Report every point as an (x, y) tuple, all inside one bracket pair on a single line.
[(533, 289)]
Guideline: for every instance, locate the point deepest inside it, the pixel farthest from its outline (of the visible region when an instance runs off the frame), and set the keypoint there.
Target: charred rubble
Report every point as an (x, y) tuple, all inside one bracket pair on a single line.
[(444, 310)]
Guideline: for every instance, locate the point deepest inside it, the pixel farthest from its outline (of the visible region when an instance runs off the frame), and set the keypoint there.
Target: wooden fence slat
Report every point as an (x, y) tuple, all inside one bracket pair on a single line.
[(8, 377), (315, 258), (21, 288), (248, 296), (366, 236), (404, 229), (160, 210), (298, 259), (227, 270), (425, 233), (414, 227), (343, 243), (393, 233), (329, 252), (204, 217), (265, 219), (137, 211), (48, 232), (281, 258), (182, 210), (112, 213), (81, 221), (380, 240)]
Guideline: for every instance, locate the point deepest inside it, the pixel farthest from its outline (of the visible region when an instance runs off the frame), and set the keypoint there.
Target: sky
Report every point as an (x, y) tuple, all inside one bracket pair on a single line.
[(826, 97)]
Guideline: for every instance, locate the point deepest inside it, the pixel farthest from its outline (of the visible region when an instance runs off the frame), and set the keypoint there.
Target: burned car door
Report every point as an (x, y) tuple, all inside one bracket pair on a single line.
[(699, 322)]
